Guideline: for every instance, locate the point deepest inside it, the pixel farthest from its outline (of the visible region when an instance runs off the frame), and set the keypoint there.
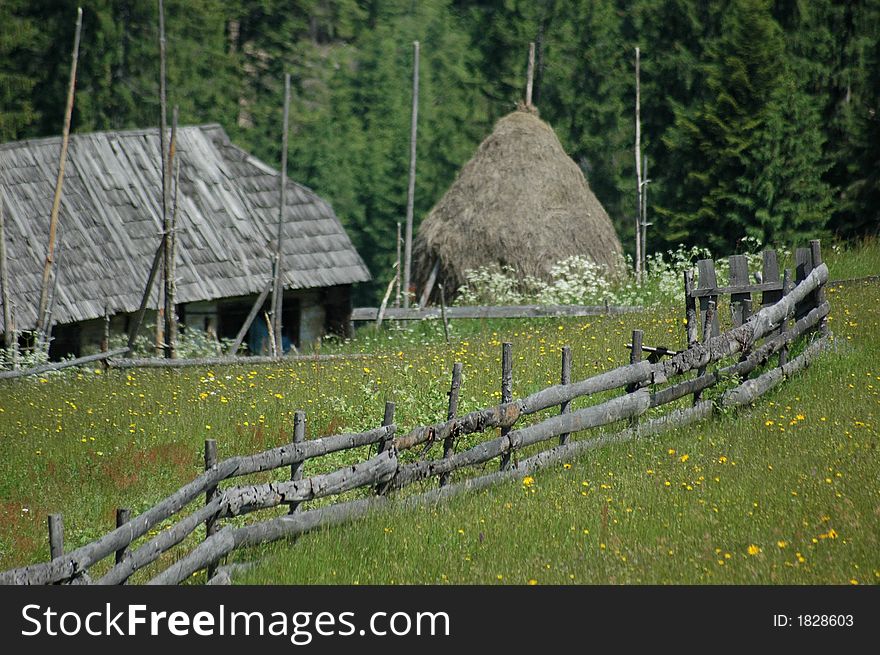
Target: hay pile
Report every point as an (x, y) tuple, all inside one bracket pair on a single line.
[(519, 202)]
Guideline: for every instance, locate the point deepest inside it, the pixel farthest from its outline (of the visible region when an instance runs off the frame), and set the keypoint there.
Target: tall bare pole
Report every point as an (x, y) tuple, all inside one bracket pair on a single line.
[(644, 219), (277, 290), (167, 251), (59, 182), (411, 191), (530, 75), (4, 281), (638, 177), (397, 269), (171, 246)]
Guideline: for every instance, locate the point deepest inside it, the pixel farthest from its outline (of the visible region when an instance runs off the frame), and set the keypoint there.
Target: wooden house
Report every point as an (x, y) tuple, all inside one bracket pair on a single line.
[(110, 227)]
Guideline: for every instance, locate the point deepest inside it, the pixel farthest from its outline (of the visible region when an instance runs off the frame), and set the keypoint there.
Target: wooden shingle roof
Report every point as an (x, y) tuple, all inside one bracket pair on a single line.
[(111, 219)]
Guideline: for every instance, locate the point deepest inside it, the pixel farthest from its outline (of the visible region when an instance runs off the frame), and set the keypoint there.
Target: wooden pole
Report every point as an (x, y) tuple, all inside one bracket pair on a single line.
[(299, 435), (56, 535), (708, 322), (397, 268), (211, 526), (638, 176), (635, 356), (387, 443), (15, 362), (644, 202), (819, 295), (565, 378), (387, 295), (250, 319), (690, 304), (449, 441), (145, 298), (46, 328), (530, 76), (443, 314), (171, 246), (168, 293), (411, 189), (783, 328), (506, 392), (59, 181), (277, 289), (122, 517), (4, 282)]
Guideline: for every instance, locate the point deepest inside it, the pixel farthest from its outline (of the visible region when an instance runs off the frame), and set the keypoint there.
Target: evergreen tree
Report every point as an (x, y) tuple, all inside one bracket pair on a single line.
[(19, 41), (713, 144)]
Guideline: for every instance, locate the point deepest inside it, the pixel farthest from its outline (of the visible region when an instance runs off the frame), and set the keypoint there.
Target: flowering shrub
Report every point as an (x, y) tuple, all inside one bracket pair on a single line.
[(579, 281)]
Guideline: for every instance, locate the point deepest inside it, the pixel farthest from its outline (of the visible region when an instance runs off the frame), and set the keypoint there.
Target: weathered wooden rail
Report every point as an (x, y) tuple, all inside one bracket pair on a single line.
[(784, 320), (490, 311)]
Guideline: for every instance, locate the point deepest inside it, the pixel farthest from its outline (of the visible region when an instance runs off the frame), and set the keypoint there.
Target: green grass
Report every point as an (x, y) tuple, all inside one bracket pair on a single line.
[(86, 442)]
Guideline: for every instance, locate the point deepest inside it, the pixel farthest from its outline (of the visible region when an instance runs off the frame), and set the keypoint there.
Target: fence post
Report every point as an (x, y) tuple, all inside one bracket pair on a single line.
[(506, 393), (819, 294), (449, 442), (56, 535), (708, 280), (211, 526), (123, 514), (709, 319), (690, 308), (565, 378), (299, 435), (803, 261), (740, 303), (635, 356), (386, 443), (783, 327)]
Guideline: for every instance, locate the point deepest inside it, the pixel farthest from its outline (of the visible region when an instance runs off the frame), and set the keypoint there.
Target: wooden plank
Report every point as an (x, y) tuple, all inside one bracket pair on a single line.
[(708, 320), (635, 356), (783, 326), (819, 294), (690, 308), (226, 361), (803, 261), (740, 303), (770, 273), (299, 435), (426, 292), (491, 311), (709, 282), (211, 526), (57, 366), (258, 303), (743, 288), (56, 535)]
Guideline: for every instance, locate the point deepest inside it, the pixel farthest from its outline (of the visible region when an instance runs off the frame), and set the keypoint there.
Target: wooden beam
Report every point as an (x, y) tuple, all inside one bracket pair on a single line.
[(278, 287), (429, 286), (250, 319), (530, 76), (490, 311), (411, 189), (59, 181), (4, 281)]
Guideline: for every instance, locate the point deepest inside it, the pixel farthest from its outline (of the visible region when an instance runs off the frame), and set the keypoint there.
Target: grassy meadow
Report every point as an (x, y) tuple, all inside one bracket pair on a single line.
[(785, 492)]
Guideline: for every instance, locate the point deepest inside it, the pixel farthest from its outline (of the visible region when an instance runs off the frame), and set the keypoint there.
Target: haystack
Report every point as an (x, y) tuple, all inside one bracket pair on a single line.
[(519, 202)]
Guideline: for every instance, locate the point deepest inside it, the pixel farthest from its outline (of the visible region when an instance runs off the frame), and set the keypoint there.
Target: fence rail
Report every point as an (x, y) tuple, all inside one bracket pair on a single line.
[(793, 315)]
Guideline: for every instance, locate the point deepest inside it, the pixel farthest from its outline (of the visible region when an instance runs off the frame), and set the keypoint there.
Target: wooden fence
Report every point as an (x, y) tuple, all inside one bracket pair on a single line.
[(788, 313)]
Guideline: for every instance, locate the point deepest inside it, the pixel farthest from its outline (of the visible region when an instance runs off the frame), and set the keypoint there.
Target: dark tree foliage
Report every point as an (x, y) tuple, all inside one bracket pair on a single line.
[(759, 118)]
